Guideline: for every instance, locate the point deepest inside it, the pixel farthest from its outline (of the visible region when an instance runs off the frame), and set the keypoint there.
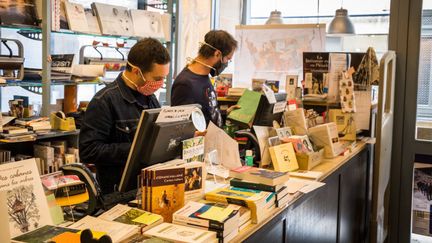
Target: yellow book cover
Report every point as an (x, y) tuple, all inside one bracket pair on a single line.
[(253, 199), (283, 157), (167, 190)]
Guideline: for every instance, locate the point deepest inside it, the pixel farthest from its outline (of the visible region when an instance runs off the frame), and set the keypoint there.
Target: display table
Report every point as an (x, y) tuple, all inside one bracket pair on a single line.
[(336, 212)]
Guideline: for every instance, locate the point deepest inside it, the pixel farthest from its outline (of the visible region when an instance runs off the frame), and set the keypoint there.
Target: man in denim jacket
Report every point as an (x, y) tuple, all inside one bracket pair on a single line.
[(112, 115)]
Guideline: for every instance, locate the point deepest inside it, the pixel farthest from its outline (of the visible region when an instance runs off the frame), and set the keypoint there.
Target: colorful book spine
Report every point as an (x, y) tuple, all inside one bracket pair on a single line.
[(253, 186)]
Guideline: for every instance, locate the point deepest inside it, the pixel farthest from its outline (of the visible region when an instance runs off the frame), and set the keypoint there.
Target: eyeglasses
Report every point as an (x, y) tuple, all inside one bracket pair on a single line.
[(225, 59)]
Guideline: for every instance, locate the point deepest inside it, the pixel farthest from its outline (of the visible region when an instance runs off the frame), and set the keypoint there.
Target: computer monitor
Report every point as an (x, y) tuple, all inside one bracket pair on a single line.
[(264, 115), (153, 143)]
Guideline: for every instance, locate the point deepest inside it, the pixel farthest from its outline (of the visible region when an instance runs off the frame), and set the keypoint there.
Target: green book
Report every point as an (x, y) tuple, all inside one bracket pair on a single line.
[(248, 106)]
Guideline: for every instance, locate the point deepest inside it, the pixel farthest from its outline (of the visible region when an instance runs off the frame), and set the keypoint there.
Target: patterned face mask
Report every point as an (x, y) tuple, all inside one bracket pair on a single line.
[(149, 87)]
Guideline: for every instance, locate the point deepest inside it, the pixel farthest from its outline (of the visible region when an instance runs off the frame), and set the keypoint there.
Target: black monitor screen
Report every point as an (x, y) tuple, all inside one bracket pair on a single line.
[(153, 143), (264, 115)]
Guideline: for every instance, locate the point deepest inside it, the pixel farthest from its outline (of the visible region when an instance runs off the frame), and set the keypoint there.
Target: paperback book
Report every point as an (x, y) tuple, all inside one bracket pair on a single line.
[(259, 175), (181, 233), (26, 202)]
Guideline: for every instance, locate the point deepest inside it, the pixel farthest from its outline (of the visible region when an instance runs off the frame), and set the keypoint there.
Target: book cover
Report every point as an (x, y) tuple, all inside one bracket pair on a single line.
[(259, 175), (180, 233), (253, 185), (193, 149), (26, 202), (76, 17), (315, 72), (301, 143), (221, 217), (92, 22), (43, 234), (326, 135), (224, 80), (255, 200), (283, 157), (167, 191), (273, 85), (113, 20), (117, 231), (296, 120), (290, 86), (257, 84), (248, 106), (147, 23), (195, 178), (345, 124), (284, 132), (134, 216)]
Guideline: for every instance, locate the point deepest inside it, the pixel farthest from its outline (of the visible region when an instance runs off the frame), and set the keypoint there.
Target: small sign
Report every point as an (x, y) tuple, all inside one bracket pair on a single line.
[(279, 107), (175, 113), (269, 94)]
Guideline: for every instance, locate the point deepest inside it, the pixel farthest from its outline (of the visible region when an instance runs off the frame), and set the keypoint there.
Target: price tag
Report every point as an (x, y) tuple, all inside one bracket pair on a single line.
[(269, 93), (279, 107)]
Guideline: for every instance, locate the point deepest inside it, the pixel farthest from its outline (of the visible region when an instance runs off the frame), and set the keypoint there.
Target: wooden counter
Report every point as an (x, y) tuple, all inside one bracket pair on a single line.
[(336, 212)]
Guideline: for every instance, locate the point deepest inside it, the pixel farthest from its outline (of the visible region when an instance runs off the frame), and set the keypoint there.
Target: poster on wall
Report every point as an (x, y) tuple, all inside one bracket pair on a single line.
[(194, 24), (274, 51)]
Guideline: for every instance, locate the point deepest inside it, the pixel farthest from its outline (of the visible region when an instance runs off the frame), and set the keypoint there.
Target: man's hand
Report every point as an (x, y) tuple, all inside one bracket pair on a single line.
[(231, 108)]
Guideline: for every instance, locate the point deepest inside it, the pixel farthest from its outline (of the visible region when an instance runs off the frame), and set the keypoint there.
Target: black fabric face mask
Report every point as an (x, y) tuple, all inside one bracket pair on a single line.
[(218, 68)]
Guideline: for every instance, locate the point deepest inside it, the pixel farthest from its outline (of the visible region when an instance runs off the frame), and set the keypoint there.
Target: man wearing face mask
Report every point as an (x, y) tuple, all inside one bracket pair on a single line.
[(112, 115), (192, 85)]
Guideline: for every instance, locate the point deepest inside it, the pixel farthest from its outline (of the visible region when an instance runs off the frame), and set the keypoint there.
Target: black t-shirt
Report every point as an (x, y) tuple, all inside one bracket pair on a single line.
[(192, 88)]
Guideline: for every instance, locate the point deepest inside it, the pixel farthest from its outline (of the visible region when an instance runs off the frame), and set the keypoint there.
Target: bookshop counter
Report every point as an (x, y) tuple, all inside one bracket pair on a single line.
[(335, 212)]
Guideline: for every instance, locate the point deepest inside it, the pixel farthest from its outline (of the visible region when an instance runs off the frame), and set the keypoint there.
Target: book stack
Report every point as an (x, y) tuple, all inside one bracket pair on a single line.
[(220, 218), (181, 233), (262, 180), (166, 186), (259, 202), (39, 125), (16, 134), (133, 216)]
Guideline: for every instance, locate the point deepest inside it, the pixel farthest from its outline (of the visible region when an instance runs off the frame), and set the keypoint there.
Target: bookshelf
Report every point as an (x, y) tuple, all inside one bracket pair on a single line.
[(46, 36)]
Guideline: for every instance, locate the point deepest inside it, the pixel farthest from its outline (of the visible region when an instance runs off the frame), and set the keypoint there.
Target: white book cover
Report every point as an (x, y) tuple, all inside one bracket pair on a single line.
[(27, 206), (117, 231), (114, 20), (76, 17), (180, 233), (147, 23), (92, 22)]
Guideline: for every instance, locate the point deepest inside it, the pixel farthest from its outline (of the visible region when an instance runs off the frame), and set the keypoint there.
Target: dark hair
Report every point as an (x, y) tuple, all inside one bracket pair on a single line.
[(219, 39), (145, 53)]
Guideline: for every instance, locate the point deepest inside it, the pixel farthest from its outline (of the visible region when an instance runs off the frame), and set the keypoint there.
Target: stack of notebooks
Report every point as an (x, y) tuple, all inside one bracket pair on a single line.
[(263, 180), (224, 219), (39, 125), (166, 186)]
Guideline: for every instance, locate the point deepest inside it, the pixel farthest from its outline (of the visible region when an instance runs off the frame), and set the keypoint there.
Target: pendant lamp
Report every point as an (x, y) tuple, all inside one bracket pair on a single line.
[(341, 24), (275, 18)]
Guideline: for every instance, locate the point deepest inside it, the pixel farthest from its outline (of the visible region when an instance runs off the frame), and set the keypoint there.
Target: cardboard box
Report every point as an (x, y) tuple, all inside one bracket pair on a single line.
[(307, 161)]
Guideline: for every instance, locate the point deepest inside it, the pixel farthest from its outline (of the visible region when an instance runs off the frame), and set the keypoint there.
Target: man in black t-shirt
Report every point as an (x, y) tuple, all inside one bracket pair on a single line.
[(193, 86)]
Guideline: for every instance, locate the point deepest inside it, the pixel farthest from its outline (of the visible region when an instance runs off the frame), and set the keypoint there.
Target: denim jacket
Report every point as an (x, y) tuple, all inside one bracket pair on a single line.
[(108, 130)]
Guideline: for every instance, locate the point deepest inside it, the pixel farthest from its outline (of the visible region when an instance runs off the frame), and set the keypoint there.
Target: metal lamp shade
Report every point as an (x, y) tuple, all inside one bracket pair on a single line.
[(275, 18), (341, 24)]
